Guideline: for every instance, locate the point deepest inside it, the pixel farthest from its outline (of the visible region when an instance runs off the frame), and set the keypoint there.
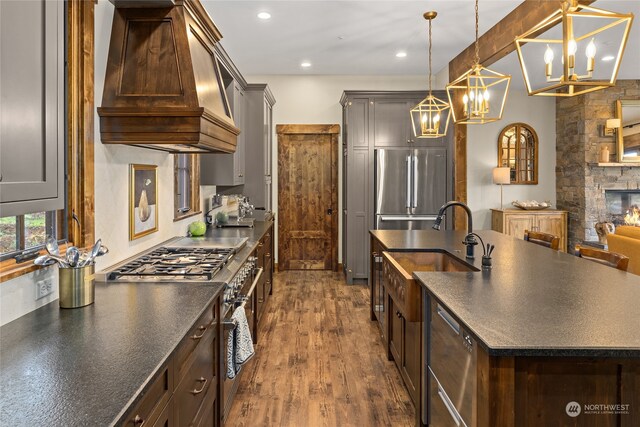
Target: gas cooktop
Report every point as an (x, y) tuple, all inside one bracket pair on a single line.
[(174, 263)]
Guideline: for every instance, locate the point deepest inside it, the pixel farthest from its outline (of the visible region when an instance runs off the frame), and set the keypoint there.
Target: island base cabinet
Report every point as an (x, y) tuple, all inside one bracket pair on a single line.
[(557, 391), (405, 349)]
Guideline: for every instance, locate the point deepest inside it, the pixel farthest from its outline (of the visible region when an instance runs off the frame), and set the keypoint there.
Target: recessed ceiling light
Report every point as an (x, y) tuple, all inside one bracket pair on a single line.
[(608, 58), (305, 64), (401, 54), (264, 15)]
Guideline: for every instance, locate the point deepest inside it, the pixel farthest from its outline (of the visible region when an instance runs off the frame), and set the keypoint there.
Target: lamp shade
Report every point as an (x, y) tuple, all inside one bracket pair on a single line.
[(613, 123), (502, 175)]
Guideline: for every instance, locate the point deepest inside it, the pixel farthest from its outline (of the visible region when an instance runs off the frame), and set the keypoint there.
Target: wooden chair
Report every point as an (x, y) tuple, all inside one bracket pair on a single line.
[(603, 257), (542, 239)]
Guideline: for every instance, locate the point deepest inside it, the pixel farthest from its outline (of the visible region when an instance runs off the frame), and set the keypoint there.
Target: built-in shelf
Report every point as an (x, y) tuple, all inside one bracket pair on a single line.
[(616, 165)]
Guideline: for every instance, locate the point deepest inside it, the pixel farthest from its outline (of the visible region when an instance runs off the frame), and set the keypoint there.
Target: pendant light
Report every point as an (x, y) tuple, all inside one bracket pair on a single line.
[(584, 32), (430, 118), (478, 96)]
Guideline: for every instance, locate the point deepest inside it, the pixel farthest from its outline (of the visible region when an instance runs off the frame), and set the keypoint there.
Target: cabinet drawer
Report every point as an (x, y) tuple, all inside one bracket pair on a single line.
[(199, 381), (155, 399), (442, 411), (166, 417), (200, 332), (452, 359)]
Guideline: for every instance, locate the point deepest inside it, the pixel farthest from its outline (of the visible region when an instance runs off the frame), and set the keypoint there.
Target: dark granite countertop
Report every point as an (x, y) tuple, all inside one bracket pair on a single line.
[(534, 301), (85, 366)]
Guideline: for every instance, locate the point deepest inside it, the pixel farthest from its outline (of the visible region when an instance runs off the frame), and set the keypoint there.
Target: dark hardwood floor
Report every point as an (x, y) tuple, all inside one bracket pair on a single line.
[(320, 361)]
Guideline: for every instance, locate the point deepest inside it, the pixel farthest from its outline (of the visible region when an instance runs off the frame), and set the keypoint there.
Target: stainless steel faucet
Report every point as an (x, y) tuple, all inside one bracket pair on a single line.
[(469, 240)]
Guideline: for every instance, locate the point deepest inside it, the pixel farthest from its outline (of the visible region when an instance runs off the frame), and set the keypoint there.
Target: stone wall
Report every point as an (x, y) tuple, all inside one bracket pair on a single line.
[(580, 182)]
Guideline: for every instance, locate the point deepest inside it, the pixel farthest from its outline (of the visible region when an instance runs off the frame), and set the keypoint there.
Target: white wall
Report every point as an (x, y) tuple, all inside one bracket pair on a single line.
[(17, 297), (315, 99), (482, 156)]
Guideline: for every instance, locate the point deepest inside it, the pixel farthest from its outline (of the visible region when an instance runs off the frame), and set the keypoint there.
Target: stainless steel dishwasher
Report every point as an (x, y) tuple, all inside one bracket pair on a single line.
[(449, 370)]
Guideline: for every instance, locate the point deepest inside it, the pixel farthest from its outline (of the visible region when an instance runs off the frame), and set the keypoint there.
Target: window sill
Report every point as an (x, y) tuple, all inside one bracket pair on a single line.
[(180, 218), (9, 269)]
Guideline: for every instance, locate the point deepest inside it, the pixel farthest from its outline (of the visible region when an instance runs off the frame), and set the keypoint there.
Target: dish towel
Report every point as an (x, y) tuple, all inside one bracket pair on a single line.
[(239, 343)]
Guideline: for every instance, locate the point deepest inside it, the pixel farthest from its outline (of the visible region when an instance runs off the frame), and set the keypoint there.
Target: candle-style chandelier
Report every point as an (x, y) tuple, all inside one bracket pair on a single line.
[(478, 96), (583, 29), (430, 118)]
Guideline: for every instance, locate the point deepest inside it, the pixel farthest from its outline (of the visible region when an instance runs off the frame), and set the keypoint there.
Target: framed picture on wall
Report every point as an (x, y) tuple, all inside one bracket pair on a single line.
[(143, 200)]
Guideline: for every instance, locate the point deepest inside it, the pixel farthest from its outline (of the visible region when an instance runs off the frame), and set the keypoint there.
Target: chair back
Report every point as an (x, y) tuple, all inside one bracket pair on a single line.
[(543, 239), (603, 257)]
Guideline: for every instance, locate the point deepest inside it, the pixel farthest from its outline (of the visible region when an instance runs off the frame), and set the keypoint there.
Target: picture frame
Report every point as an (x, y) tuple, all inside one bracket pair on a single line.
[(143, 200)]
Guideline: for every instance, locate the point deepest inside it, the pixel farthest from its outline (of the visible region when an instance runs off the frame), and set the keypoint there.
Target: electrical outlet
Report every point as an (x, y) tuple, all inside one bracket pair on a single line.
[(44, 288)]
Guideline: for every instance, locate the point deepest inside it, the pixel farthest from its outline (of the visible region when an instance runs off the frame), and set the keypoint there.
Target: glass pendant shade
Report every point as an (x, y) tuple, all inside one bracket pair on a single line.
[(478, 96), (430, 118), (560, 55)]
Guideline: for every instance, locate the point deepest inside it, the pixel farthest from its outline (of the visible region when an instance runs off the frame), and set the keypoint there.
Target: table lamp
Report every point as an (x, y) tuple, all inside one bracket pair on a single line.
[(501, 176)]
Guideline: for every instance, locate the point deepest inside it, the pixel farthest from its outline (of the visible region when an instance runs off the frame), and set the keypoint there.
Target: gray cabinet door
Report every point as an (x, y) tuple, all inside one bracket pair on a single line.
[(391, 122), (239, 107), (259, 146), (358, 161), (32, 142), (228, 169)]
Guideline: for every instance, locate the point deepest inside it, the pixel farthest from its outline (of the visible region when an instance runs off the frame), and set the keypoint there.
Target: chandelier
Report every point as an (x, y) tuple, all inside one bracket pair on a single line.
[(478, 96), (430, 118), (584, 32)]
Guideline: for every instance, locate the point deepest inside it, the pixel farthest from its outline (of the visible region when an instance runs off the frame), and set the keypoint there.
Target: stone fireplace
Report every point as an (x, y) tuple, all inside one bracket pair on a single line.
[(582, 183)]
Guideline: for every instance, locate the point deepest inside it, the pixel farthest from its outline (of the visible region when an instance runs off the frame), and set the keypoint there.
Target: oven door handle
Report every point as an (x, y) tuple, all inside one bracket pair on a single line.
[(253, 286)]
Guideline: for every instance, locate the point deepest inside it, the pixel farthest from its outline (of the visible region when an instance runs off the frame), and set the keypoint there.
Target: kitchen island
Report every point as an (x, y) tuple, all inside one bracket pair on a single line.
[(541, 338), (125, 354)]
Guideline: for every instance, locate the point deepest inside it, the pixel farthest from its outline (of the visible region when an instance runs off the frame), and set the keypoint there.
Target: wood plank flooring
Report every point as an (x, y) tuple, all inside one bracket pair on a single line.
[(320, 361)]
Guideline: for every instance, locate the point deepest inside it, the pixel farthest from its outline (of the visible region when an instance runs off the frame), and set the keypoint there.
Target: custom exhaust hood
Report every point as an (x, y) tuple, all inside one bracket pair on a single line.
[(163, 88)]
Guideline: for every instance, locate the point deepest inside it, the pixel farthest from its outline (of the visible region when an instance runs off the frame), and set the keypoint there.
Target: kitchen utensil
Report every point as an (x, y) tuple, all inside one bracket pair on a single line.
[(72, 255), (103, 250), (44, 260), (94, 252), (62, 261), (52, 246)]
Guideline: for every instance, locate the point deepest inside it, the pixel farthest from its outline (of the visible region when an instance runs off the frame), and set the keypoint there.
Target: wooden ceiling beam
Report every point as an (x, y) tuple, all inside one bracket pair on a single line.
[(498, 42)]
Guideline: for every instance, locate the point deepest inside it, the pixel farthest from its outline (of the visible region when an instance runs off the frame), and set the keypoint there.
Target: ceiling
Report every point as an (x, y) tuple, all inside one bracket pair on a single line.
[(363, 37)]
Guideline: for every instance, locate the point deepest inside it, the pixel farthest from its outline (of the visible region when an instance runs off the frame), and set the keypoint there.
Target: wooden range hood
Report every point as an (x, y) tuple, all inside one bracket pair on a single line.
[(163, 88)]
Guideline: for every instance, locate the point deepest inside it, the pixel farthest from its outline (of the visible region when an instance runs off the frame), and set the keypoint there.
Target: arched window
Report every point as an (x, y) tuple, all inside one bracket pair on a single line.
[(518, 150)]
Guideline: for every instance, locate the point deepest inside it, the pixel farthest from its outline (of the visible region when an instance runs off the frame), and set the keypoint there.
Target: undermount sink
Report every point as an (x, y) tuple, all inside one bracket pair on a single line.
[(429, 261), (398, 269)]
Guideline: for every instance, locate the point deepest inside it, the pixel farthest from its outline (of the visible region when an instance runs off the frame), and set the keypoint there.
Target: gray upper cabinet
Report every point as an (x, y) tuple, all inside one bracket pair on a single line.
[(259, 145), (32, 141), (391, 122), (392, 125), (228, 169)]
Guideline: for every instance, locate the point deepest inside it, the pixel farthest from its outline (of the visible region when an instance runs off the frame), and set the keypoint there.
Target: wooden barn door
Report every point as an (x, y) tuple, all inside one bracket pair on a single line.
[(308, 197)]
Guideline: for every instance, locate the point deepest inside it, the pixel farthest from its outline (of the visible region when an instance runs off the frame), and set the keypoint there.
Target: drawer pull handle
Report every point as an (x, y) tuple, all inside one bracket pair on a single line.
[(204, 331), (449, 320), (399, 315), (138, 421), (448, 405), (204, 385)]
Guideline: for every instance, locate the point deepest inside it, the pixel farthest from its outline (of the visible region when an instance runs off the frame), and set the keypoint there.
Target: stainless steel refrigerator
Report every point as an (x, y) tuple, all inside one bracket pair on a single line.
[(411, 186)]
